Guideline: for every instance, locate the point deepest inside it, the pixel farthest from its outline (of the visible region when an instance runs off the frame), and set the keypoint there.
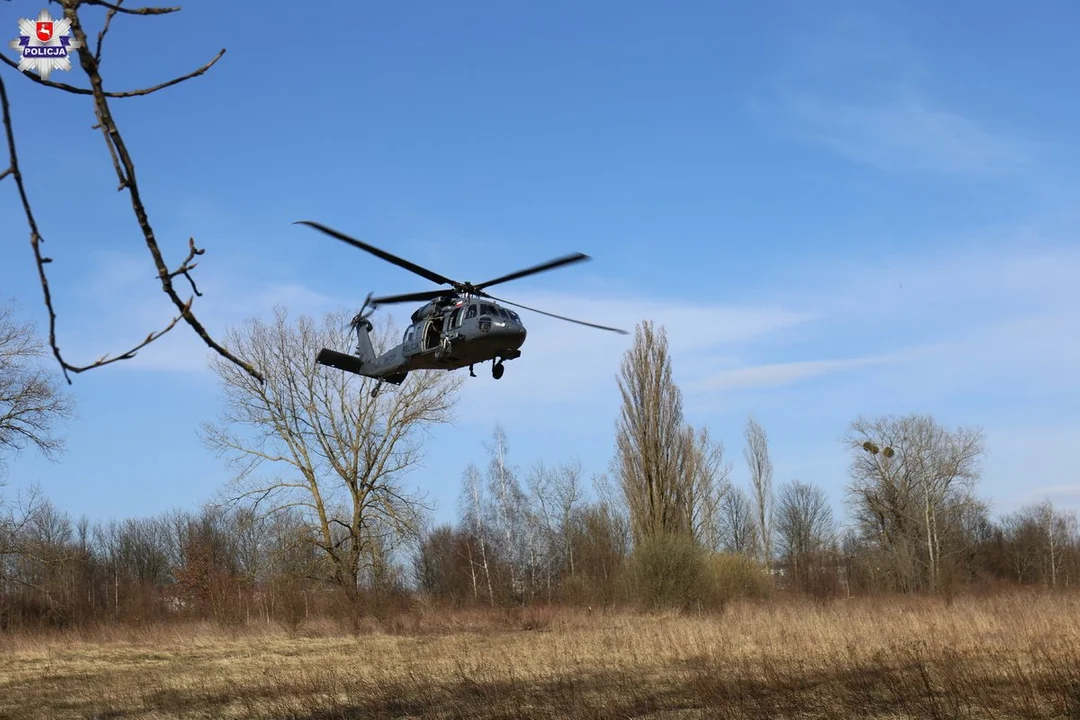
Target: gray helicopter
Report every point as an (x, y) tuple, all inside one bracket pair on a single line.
[(455, 328)]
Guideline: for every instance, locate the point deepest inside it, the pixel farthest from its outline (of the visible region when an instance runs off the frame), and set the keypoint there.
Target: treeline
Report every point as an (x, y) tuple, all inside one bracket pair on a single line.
[(319, 522), (541, 538)]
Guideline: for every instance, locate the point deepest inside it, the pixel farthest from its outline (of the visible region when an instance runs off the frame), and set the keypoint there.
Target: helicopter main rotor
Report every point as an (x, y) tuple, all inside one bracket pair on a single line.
[(459, 288)]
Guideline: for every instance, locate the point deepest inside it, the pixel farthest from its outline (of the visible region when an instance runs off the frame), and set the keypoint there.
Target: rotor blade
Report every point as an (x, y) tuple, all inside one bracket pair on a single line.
[(559, 317), (550, 265), (426, 295), (412, 267)]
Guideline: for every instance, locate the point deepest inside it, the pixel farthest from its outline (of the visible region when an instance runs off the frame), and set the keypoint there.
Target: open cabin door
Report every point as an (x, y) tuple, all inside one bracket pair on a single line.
[(432, 334)]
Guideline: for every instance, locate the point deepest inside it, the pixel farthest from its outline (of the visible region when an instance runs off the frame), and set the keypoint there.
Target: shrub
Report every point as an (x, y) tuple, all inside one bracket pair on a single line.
[(667, 571)]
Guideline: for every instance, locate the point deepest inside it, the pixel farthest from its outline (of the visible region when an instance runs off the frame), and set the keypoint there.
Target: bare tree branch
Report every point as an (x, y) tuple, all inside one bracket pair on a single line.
[(115, 8), (105, 31), (125, 170), (117, 93)]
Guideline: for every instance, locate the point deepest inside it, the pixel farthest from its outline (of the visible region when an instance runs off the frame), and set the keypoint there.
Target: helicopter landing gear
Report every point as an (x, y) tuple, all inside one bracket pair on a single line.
[(375, 390), (471, 373), (497, 370)]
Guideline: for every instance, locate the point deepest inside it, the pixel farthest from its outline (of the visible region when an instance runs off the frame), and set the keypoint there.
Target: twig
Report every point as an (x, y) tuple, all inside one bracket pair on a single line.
[(132, 11), (104, 31), (123, 94), (187, 266)]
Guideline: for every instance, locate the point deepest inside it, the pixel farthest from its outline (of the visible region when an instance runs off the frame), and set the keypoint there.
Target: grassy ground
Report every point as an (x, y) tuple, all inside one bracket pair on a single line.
[(997, 657)]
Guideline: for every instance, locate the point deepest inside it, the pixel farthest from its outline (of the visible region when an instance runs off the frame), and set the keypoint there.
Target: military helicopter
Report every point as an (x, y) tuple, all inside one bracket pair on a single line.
[(459, 327)]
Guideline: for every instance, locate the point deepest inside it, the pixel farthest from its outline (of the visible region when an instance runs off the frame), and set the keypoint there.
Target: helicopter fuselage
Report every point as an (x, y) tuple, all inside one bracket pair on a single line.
[(460, 333), (445, 334)]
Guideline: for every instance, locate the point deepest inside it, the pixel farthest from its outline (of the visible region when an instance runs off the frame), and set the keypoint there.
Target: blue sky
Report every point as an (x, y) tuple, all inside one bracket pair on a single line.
[(835, 210)]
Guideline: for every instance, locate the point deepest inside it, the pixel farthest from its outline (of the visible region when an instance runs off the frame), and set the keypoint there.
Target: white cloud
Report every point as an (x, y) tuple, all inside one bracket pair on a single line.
[(776, 374), (907, 134)]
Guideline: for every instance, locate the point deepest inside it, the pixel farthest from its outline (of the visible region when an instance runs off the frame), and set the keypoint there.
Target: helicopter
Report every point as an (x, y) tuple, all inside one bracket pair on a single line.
[(455, 328)]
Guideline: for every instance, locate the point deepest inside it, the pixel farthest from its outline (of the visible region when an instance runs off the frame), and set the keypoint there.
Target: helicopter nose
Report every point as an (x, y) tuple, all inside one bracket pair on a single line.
[(509, 331), (512, 331)]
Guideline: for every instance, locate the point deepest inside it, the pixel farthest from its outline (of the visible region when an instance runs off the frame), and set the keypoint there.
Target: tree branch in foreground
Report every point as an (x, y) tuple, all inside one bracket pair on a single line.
[(125, 169)]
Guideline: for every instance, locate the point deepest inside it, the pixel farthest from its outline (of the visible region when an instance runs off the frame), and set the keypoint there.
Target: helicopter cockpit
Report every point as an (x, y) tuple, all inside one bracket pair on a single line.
[(483, 309)]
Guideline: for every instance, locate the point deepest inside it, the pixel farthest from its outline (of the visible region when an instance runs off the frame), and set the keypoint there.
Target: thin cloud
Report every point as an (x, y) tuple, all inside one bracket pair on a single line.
[(852, 85), (778, 374), (907, 134)]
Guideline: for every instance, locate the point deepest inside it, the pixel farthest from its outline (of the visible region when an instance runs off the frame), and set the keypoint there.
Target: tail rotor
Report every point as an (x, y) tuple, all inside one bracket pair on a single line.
[(361, 317)]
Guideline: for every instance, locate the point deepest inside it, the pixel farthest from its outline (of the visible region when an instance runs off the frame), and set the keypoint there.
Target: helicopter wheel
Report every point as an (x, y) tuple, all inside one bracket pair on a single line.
[(497, 370)]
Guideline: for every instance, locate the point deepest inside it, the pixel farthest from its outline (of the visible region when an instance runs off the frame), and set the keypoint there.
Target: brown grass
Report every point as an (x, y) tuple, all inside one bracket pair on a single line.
[(1016, 656)]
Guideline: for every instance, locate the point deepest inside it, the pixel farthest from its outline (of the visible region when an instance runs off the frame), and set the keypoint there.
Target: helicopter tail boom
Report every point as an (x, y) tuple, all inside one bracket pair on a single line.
[(341, 361)]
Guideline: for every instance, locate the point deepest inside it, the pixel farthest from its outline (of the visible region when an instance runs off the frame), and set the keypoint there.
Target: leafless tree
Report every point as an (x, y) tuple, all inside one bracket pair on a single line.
[(31, 401), (507, 512), (738, 530), (1039, 537), (471, 509), (804, 526), (90, 59), (330, 449), (556, 494), (650, 437), (759, 462), (707, 485), (912, 480), (568, 492)]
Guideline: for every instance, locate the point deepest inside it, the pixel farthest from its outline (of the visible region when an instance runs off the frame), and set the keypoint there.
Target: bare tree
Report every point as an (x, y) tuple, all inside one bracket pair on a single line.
[(557, 493), (472, 519), (568, 495), (124, 166), (912, 482), (650, 437), (804, 526), (507, 512), (708, 483), (331, 449), (738, 531), (30, 399), (757, 457), (1039, 537)]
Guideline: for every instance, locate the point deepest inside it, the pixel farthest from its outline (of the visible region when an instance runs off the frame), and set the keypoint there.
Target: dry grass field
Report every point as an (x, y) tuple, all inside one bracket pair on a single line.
[(1015, 656)]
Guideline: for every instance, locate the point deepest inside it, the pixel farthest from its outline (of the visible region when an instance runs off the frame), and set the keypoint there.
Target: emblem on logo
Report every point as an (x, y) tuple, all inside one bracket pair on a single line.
[(44, 44)]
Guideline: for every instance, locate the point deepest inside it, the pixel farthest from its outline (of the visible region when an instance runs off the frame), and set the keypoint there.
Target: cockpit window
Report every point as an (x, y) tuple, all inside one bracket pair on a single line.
[(513, 316), (471, 313), (502, 311), (408, 334), (486, 309)]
